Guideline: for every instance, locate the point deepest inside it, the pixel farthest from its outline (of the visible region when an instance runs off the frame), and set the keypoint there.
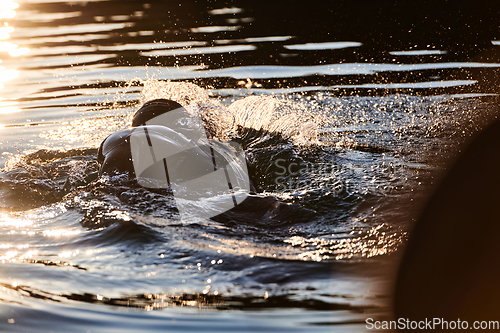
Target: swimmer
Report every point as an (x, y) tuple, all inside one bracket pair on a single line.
[(115, 155), (167, 147)]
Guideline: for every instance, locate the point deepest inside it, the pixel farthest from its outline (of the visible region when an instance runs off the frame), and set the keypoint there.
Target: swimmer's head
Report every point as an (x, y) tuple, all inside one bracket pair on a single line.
[(155, 108), (164, 112)]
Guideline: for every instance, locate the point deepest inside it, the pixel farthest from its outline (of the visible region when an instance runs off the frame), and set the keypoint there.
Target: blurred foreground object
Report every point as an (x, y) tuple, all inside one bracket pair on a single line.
[(451, 267)]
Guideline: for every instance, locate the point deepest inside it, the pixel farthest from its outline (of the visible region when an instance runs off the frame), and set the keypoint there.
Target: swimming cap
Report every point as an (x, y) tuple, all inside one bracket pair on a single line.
[(153, 109)]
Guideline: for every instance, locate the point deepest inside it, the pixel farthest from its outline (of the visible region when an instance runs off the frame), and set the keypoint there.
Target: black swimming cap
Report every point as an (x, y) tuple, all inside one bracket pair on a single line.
[(153, 109)]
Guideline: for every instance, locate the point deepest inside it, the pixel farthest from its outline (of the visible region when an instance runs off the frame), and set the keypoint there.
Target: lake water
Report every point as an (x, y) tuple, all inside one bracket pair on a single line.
[(349, 114)]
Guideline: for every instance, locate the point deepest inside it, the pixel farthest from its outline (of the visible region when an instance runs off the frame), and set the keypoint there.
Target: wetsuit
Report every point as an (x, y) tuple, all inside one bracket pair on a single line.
[(168, 148)]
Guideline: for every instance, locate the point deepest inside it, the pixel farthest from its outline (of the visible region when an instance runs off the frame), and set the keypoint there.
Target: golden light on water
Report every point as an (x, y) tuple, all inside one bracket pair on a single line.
[(8, 256), (7, 9), (68, 254), (28, 255), (60, 232), (5, 32), (19, 51), (369, 243), (23, 251), (88, 131), (13, 256), (6, 220), (13, 49), (6, 46), (8, 107), (8, 74)]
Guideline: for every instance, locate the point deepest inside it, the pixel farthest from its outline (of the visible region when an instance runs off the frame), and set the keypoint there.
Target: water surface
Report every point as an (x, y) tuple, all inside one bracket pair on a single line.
[(355, 111)]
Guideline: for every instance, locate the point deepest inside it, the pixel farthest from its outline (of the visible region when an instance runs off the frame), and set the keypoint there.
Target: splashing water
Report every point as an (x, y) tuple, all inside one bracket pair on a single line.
[(183, 93), (261, 113), (323, 203), (298, 122), (265, 113)]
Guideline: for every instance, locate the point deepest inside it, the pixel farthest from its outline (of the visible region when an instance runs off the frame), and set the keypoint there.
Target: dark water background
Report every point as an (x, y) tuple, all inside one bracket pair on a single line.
[(370, 99)]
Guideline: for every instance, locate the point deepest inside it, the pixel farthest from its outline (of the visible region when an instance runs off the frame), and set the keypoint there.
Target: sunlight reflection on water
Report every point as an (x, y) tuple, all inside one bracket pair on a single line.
[(72, 73), (7, 11)]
